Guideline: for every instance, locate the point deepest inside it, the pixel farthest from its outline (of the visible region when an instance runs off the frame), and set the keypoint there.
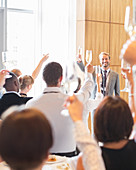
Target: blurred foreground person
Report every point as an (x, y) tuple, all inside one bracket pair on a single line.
[(128, 52), (25, 139), (113, 123), (91, 153)]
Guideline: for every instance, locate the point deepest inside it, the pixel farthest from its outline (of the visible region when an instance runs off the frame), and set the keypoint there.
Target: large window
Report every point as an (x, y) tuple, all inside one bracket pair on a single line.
[(34, 27)]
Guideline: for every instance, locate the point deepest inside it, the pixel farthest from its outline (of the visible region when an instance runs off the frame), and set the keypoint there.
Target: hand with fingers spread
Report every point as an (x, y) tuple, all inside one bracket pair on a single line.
[(75, 108)]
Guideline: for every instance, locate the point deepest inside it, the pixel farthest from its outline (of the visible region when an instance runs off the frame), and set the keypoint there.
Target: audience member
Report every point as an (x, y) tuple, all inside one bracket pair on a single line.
[(26, 83), (113, 124), (11, 97), (91, 153), (51, 104), (25, 139)]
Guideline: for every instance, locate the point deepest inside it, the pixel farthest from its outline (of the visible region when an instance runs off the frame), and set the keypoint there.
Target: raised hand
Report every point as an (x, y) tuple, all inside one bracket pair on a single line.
[(45, 57), (75, 108)]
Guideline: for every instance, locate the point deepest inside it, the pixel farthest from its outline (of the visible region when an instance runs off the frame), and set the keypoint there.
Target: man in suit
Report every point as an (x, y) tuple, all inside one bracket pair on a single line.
[(11, 97), (110, 79)]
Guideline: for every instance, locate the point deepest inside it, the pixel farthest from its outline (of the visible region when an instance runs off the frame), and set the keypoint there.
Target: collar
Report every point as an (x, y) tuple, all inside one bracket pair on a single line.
[(54, 89), (23, 94), (7, 92), (106, 70)]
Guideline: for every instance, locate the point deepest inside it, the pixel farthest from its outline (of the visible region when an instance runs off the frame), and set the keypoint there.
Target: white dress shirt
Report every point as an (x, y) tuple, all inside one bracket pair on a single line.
[(51, 104)]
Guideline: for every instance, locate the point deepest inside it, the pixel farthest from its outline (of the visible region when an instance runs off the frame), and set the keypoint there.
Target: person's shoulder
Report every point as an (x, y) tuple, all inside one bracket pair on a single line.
[(114, 72), (34, 100)]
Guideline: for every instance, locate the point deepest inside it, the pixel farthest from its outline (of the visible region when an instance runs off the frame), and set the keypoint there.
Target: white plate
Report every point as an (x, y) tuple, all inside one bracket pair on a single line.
[(58, 159)]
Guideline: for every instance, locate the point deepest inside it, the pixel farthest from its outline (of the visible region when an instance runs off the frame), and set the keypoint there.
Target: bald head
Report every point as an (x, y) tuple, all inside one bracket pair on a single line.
[(12, 83)]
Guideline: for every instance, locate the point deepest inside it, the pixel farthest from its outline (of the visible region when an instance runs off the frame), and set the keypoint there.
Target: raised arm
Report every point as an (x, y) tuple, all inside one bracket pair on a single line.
[(39, 66), (88, 86), (131, 94), (80, 62), (92, 158)]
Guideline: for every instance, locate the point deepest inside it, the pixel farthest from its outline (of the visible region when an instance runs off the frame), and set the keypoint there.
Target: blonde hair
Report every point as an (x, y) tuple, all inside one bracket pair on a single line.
[(25, 81)]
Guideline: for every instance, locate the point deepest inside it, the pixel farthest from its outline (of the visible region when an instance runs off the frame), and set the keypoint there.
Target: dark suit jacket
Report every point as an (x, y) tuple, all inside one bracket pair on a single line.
[(11, 99)]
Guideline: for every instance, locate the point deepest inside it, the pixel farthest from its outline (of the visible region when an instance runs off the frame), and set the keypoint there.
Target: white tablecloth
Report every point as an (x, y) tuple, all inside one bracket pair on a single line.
[(63, 163)]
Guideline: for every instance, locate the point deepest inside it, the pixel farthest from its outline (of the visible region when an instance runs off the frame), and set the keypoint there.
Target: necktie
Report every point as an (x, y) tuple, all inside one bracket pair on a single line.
[(104, 82)]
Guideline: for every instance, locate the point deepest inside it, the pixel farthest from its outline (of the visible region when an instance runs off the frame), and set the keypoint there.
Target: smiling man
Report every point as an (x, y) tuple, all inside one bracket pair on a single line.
[(110, 79)]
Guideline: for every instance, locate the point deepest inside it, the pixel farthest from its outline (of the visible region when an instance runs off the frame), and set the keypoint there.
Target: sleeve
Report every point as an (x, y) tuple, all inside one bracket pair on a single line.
[(86, 90), (81, 66), (93, 103), (117, 86), (92, 159)]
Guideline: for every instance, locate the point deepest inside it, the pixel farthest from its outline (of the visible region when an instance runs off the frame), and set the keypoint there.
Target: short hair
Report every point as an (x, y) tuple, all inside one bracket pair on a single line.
[(112, 120), (104, 53), (25, 139), (25, 81), (51, 73), (9, 82), (17, 72)]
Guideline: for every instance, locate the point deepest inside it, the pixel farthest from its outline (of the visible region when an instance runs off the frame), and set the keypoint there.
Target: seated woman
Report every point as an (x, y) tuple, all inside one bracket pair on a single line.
[(113, 123), (26, 83), (25, 139)]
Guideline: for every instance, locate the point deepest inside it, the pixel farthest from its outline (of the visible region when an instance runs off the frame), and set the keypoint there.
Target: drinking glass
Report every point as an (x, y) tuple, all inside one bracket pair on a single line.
[(88, 56), (130, 24), (125, 66), (70, 82)]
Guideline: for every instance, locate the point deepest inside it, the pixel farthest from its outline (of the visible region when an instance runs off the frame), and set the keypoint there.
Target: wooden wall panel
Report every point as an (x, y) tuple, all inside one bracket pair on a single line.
[(97, 10), (118, 8), (96, 38), (118, 37)]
